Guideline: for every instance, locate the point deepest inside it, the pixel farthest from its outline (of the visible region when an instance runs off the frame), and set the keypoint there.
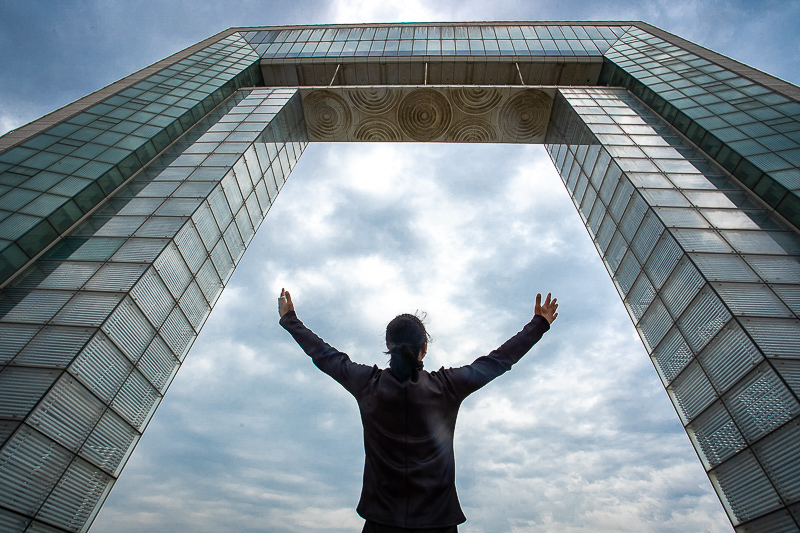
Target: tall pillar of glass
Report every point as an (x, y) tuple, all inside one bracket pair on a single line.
[(95, 330), (709, 278)]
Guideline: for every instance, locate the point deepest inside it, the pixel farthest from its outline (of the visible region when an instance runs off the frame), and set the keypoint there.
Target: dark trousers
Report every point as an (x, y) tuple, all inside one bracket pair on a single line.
[(372, 527)]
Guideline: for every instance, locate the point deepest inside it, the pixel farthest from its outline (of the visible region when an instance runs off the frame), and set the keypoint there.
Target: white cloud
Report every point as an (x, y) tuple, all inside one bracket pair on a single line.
[(350, 11), (8, 123)]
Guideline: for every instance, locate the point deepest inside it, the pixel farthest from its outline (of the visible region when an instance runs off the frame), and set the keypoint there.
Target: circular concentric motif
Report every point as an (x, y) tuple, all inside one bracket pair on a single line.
[(524, 116), (374, 100), (475, 100), (376, 130), (327, 114), (424, 114), (472, 130)]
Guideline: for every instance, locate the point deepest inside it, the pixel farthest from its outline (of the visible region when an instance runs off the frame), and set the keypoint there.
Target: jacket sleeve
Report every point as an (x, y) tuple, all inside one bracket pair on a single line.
[(467, 379), (336, 364)]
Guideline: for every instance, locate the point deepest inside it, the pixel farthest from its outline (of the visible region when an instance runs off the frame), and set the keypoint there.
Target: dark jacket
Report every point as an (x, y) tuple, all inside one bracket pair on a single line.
[(409, 469)]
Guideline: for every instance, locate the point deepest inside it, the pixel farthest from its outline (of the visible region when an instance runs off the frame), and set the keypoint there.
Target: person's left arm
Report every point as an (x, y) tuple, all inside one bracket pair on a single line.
[(327, 358)]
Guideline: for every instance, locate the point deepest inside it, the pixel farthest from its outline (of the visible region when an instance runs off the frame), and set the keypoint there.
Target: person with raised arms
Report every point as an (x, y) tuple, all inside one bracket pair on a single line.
[(409, 416)]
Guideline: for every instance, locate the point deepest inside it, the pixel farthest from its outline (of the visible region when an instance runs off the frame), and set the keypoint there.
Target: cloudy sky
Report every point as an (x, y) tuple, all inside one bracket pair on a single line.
[(579, 437)]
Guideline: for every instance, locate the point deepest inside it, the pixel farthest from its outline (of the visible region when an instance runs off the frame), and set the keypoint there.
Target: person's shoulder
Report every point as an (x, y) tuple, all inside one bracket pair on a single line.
[(444, 373)]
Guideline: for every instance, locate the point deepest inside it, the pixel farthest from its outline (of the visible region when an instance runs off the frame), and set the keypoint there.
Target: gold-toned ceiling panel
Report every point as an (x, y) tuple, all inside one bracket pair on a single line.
[(428, 114)]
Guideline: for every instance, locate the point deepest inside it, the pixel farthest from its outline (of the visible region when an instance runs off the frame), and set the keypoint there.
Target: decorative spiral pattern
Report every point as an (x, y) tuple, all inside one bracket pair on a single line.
[(327, 114), (472, 130), (524, 116), (475, 100), (377, 130), (424, 114), (374, 100)]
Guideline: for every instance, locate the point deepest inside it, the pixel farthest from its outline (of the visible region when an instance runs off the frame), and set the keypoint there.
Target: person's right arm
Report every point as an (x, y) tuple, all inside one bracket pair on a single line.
[(470, 378)]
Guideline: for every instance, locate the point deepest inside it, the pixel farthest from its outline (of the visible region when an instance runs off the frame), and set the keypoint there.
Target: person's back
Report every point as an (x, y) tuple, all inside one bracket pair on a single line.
[(409, 416), (409, 469)]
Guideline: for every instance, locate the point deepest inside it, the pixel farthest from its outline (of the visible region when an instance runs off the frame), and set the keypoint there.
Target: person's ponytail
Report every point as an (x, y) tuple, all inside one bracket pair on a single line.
[(405, 337), (404, 360)]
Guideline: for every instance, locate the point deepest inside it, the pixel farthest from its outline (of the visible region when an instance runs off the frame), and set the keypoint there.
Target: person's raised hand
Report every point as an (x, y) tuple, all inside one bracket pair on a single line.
[(546, 309), (285, 303)]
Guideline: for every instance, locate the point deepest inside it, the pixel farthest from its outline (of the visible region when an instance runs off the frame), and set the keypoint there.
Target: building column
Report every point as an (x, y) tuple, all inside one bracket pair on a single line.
[(95, 330), (711, 280)]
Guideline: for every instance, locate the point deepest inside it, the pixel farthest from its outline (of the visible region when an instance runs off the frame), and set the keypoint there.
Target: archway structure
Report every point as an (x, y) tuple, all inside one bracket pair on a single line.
[(126, 212)]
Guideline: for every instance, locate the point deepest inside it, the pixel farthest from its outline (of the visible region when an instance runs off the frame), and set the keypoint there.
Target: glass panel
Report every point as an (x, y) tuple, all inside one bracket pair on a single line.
[(753, 242), (54, 346), (194, 306), (178, 333), (774, 337), (67, 413), (140, 250), (116, 277), (671, 355), (715, 435), (163, 227), (153, 298), (206, 226), (234, 242), (646, 237), (674, 217), (173, 270), (703, 319), (38, 307), (191, 247), (136, 400), (88, 308), (663, 259), (775, 269), (15, 337), (761, 403), (615, 251), (70, 275), (627, 272), (101, 367), (222, 260), (723, 267), (633, 216), (244, 226), (129, 329), (729, 356), (654, 324), (639, 297), (77, 497), (778, 454), (158, 364), (751, 299), (620, 199), (110, 443), (30, 466), (692, 391), (699, 240), (681, 287), (745, 487), (25, 387)]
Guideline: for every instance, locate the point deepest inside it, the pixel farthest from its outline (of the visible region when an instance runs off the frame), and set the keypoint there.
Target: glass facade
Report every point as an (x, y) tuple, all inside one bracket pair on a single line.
[(54, 179), (701, 268), (123, 215), (436, 40), (95, 330), (751, 131)]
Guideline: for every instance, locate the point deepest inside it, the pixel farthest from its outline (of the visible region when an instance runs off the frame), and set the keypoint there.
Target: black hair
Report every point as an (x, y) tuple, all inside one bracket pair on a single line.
[(405, 336)]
